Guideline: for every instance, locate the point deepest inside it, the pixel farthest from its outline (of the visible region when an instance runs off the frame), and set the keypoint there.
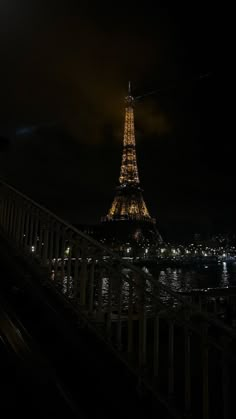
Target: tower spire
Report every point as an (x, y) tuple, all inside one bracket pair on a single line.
[(129, 88), (129, 168)]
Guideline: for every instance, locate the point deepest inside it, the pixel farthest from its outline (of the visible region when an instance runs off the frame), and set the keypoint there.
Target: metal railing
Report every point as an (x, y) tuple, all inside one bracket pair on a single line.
[(181, 354)]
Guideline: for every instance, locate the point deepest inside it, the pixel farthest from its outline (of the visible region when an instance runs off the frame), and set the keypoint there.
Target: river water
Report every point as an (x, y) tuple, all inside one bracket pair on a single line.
[(186, 279)]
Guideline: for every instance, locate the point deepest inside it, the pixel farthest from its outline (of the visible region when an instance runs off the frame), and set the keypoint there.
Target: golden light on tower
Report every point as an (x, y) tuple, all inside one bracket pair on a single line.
[(128, 203), (129, 169)]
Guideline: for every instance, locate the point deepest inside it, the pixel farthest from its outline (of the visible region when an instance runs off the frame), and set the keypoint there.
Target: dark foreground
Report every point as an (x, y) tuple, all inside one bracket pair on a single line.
[(51, 365)]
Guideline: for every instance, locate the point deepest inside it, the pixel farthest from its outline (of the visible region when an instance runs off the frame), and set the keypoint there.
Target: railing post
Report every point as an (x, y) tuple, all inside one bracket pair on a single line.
[(12, 218), (22, 225), (4, 212), (109, 308), (119, 309), (68, 271), (18, 226), (142, 323), (36, 231), (9, 210), (83, 275), (1, 209), (225, 379), (99, 296), (205, 392), (130, 317), (76, 273), (56, 254), (91, 285), (200, 303), (62, 254), (39, 249), (51, 247), (156, 346), (14, 221), (26, 232), (171, 359), (7, 217), (31, 229), (187, 370), (45, 244), (6, 205)]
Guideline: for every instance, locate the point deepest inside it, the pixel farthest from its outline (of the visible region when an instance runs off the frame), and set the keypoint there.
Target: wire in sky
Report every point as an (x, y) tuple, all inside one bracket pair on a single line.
[(180, 82)]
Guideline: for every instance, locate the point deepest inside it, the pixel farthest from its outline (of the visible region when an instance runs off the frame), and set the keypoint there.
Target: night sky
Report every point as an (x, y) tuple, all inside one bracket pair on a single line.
[(63, 76)]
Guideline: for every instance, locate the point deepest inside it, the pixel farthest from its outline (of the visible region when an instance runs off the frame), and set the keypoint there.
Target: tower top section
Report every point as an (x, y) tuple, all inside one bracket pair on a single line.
[(129, 169), (129, 99)]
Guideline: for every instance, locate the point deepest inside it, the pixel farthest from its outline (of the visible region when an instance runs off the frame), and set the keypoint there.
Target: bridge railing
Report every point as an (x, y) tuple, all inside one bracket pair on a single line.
[(184, 356)]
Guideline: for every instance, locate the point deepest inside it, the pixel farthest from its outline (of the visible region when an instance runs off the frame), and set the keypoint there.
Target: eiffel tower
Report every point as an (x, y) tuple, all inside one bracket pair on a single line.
[(128, 215)]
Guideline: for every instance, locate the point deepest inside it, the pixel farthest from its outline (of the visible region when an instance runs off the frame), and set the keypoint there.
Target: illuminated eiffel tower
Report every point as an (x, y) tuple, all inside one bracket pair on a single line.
[(128, 205)]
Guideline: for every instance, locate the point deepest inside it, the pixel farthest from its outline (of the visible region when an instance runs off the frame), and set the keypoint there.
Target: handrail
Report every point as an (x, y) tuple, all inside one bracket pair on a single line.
[(91, 240)]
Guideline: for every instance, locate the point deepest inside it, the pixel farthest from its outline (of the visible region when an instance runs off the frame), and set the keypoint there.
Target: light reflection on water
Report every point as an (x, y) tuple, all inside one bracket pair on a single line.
[(225, 276), (179, 279), (67, 286)]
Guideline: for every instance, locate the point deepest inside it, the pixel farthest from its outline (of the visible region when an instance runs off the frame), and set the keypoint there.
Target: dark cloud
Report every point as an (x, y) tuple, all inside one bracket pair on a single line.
[(70, 66)]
